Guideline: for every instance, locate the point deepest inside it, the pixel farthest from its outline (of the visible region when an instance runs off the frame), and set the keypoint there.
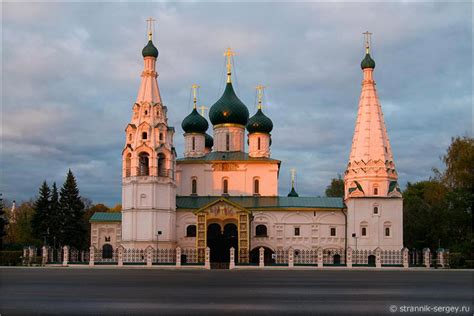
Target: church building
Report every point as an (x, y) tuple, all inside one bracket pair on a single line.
[(222, 192)]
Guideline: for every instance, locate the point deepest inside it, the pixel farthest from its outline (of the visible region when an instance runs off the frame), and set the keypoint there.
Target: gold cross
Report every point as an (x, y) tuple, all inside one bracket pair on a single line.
[(259, 96), (293, 176), (229, 53), (367, 35), (195, 87), (203, 109), (150, 25)]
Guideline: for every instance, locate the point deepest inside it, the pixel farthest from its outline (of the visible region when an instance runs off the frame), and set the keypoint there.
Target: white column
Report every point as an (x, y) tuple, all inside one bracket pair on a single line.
[(207, 258), (149, 256), (91, 256), (426, 257), (405, 258), (120, 250), (232, 258), (320, 258), (291, 254), (44, 254), (178, 257), (349, 257), (378, 257), (65, 255), (440, 256), (261, 257)]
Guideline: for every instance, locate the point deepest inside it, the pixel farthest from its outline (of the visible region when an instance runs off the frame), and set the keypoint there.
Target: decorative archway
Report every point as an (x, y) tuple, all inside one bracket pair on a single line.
[(233, 221)]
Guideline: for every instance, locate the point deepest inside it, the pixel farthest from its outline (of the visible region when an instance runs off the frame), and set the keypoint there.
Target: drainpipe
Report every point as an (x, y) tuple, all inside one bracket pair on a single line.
[(343, 210)]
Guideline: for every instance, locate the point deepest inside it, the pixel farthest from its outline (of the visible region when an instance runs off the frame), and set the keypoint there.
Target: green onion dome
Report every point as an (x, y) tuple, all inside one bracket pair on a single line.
[(293, 193), (194, 123), (259, 123), (150, 50), (229, 109), (367, 62), (208, 140)]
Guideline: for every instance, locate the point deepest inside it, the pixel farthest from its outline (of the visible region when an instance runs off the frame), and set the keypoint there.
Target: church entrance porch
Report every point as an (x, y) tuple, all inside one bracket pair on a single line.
[(222, 225), (220, 240)]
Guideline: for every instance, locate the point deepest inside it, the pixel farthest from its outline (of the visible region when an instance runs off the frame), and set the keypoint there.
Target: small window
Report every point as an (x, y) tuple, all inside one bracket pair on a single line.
[(333, 231), (297, 252), (387, 231), (364, 231), (161, 136), (227, 142), (258, 143), (225, 186), (376, 191), (194, 143), (130, 137), (146, 112), (191, 231), (144, 135), (194, 186), (297, 231), (256, 186), (261, 231), (376, 210)]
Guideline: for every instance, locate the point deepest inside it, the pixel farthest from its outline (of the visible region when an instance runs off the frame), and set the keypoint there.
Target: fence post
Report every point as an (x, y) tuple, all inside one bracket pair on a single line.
[(149, 256), (91, 256), (31, 254), (378, 257), (65, 255), (291, 256), (320, 258), (349, 257), (178, 257), (426, 257), (207, 259), (261, 257), (441, 257), (405, 258), (26, 254), (232, 258), (120, 256), (44, 254)]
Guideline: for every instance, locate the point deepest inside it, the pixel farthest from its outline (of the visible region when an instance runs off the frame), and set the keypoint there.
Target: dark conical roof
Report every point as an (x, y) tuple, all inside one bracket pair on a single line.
[(208, 140), (229, 109), (259, 123), (293, 192), (367, 62), (194, 123), (150, 50)]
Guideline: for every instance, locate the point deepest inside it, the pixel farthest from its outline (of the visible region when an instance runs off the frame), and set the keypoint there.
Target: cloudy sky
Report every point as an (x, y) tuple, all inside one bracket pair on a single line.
[(70, 74)]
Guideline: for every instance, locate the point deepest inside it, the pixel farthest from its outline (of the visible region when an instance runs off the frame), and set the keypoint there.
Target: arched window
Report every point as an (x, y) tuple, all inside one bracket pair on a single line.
[(261, 231), (194, 143), (128, 165), (376, 191), (107, 251), (129, 137), (387, 231), (227, 141), (364, 231), (144, 135), (161, 165), (194, 186), (256, 186), (191, 231), (376, 210), (225, 186), (161, 136), (258, 143), (146, 112), (143, 164)]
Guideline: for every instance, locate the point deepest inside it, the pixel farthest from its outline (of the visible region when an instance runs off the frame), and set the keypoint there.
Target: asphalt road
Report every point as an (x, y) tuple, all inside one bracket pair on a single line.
[(72, 291)]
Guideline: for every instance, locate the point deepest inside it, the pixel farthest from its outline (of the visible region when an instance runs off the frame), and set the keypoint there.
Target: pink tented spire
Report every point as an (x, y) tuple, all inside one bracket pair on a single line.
[(149, 91), (371, 170)]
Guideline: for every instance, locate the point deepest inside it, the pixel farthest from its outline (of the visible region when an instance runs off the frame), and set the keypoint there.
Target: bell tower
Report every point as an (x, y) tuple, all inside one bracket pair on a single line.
[(372, 194), (148, 165)]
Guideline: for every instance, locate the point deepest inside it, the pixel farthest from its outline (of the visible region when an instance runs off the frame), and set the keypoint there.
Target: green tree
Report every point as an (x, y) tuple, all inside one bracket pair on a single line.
[(55, 219), (336, 188), (459, 161), (20, 232), (73, 230), (3, 222), (40, 220)]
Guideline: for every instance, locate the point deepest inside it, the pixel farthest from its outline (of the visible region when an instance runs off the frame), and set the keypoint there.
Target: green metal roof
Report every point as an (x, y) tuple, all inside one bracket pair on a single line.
[(106, 217), (259, 123), (269, 202), (229, 109), (226, 156), (367, 62), (150, 50), (194, 123)]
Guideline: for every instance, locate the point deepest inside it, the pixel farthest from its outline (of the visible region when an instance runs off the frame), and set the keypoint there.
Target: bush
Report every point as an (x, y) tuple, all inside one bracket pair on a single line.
[(10, 258)]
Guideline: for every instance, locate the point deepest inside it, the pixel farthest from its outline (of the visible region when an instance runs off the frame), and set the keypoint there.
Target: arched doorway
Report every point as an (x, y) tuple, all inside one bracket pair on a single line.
[(336, 259), (219, 242), (371, 260), (267, 256), (107, 251)]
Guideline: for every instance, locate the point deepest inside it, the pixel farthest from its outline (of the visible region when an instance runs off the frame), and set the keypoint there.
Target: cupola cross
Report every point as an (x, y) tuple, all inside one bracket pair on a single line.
[(228, 54), (195, 88), (150, 26), (367, 36), (203, 109), (260, 89)]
